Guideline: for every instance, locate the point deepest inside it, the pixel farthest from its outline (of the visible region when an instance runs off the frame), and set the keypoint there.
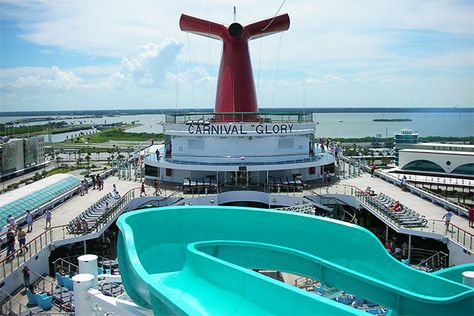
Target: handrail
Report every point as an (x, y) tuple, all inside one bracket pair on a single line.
[(104, 218), (455, 233), (413, 189), (38, 243), (6, 307), (462, 205), (429, 262), (60, 263), (34, 247), (339, 202)]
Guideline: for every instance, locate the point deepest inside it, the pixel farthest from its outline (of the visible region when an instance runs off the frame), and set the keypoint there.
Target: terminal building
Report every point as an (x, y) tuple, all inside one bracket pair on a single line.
[(20, 154), (435, 158)]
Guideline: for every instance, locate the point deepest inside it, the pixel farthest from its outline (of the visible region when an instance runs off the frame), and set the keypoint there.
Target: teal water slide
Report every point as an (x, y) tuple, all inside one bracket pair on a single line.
[(198, 260)]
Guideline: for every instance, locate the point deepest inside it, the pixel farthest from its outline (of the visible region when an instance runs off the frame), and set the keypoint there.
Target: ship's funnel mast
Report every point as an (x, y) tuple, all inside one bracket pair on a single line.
[(235, 86)]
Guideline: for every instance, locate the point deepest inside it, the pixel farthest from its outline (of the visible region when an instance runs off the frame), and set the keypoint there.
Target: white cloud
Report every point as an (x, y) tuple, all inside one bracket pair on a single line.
[(53, 78), (338, 44)]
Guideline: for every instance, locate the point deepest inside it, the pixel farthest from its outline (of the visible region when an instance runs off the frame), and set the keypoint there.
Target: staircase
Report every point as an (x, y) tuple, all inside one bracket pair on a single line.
[(435, 262)]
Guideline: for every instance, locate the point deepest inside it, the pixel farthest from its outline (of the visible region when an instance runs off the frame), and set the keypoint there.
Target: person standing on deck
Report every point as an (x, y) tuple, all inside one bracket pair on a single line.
[(447, 218), (22, 240), (471, 216), (10, 243), (29, 221), (48, 216), (26, 276), (142, 189), (11, 221)]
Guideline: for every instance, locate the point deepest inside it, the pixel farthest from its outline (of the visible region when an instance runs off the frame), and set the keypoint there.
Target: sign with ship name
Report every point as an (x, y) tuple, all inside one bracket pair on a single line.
[(238, 129)]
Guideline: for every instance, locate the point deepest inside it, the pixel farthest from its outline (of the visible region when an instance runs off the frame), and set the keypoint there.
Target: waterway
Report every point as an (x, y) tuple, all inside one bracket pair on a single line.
[(328, 124)]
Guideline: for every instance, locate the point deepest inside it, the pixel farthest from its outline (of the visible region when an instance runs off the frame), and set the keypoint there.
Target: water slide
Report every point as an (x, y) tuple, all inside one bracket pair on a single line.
[(198, 260)]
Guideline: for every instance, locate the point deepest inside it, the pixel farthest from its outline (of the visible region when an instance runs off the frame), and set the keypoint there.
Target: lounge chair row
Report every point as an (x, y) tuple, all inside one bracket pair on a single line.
[(401, 214), (85, 221)]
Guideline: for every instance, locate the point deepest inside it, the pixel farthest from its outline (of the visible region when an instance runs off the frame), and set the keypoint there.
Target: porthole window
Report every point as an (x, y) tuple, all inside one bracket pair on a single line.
[(448, 163)]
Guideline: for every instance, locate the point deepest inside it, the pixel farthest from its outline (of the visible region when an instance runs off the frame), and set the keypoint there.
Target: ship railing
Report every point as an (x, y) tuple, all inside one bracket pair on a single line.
[(453, 232), (240, 117), (433, 263), (9, 305), (238, 161), (114, 211), (19, 257), (37, 244), (60, 300), (459, 209), (64, 266)]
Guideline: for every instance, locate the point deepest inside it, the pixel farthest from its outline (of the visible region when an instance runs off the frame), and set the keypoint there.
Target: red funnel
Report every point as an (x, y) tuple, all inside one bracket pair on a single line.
[(235, 86)]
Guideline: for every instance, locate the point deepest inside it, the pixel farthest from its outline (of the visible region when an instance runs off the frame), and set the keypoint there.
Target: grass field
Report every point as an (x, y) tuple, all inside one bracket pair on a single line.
[(117, 134)]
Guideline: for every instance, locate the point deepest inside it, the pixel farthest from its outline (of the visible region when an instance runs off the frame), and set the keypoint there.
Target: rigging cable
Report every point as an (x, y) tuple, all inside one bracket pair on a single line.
[(189, 66), (277, 69), (278, 11)]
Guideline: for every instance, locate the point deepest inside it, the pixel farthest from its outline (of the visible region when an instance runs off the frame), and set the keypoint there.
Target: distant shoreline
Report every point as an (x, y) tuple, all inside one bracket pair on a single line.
[(263, 109), (392, 120)]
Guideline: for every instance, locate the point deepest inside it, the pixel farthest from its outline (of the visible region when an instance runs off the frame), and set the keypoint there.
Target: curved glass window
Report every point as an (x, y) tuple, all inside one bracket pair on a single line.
[(39, 197), (423, 165), (465, 169)]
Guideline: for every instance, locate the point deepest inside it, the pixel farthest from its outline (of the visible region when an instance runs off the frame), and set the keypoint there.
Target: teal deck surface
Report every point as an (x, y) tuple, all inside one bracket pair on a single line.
[(196, 260)]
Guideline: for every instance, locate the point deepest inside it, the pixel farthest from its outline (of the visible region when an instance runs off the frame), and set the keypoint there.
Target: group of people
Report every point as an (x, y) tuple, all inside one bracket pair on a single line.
[(97, 183), (327, 177), (15, 232), (399, 252), (156, 186), (328, 146)]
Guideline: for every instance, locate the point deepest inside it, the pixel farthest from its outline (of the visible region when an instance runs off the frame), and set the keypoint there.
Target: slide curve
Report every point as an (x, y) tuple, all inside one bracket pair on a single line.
[(198, 260)]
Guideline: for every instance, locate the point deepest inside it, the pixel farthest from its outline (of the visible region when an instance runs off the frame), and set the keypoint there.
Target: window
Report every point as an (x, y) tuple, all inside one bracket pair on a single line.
[(285, 143), (152, 171), (465, 169), (423, 165)]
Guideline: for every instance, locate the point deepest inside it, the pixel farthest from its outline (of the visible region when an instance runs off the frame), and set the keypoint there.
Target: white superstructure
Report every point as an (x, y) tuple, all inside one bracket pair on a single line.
[(251, 150)]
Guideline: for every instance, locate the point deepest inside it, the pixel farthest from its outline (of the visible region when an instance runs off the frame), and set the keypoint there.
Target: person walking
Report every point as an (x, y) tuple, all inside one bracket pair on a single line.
[(471, 216), (142, 189), (26, 276), (29, 221), (21, 235), (156, 185), (447, 218), (48, 216)]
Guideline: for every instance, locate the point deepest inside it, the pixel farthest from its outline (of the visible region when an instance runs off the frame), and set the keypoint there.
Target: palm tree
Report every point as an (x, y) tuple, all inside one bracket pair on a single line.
[(88, 159)]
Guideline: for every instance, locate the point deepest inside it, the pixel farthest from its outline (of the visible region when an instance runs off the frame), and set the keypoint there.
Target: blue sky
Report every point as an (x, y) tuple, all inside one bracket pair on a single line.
[(59, 55)]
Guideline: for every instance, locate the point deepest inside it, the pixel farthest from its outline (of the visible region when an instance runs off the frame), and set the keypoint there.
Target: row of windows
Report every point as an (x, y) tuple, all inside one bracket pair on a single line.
[(429, 166)]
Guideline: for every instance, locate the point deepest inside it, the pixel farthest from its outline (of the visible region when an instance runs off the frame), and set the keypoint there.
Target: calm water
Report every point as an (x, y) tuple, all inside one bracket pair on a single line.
[(329, 124)]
